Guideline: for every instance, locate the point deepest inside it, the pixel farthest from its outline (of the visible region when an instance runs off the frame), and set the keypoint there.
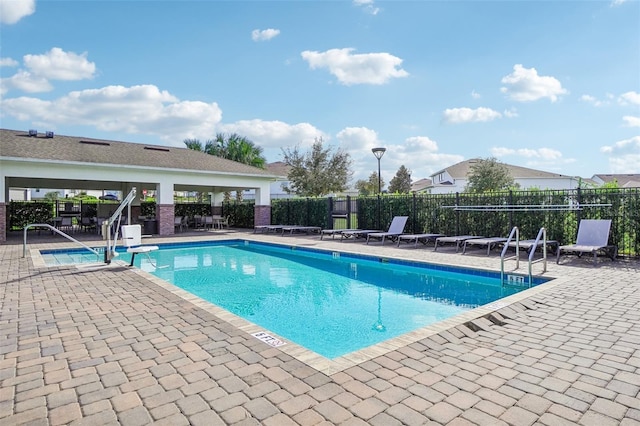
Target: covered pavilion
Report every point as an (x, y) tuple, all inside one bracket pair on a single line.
[(32, 160)]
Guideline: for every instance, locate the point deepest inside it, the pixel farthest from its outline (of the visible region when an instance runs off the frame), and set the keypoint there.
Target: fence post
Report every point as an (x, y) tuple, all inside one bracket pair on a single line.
[(288, 220), (579, 201), (510, 210), (307, 219), (379, 212), (414, 213), (348, 211), (457, 214), (330, 212)]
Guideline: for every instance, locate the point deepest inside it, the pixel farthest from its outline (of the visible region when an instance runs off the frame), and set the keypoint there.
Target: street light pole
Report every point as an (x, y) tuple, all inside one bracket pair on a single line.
[(379, 152)]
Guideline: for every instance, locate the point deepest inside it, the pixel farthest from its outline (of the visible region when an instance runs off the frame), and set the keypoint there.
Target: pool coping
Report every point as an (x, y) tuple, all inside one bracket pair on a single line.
[(313, 359)]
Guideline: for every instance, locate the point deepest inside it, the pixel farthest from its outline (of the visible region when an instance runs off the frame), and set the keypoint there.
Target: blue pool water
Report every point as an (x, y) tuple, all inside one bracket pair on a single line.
[(330, 303)]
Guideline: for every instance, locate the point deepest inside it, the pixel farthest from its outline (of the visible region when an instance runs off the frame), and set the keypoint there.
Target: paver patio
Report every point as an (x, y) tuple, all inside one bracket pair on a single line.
[(113, 345)]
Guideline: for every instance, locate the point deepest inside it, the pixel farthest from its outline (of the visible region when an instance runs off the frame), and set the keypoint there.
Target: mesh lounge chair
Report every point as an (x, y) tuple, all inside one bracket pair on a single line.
[(396, 228), (415, 238), (296, 228), (334, 232), (530, 245), (457, 240), (491, 243), (593, 237), (356, 233)]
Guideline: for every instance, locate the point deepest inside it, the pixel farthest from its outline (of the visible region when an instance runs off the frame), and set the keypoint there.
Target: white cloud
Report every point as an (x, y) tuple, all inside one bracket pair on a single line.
[(368, 6), (624, 155), (262, 35), (524, 85), (541, 153), (592, 100), (358, 138), (274, 134), (468, 115), (420, 154), (56, 64), (632, 98), (349, 68), (8, 62), (631, 121), (475, 95), (615, 3), (26, 82), (136, 110), (540, 158), (11, 11), (510, 113)]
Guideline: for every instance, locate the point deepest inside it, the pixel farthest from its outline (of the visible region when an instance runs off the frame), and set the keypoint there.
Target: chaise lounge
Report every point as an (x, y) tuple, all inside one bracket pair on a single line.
[(593, 237), (415, 238), (457, 240), (396, 228)]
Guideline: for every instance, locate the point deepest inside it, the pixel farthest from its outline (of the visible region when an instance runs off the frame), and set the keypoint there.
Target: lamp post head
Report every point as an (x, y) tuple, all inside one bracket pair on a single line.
[(379, 152)]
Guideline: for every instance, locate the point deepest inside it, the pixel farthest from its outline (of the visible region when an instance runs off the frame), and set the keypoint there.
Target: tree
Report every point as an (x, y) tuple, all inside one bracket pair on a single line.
[(489, 175), (401, 182), (370, 186), (52, 196), (232, 147), (318, 172)]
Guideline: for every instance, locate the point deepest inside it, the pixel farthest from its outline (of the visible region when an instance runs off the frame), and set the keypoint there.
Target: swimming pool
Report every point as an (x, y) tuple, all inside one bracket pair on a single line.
[(328, 302)]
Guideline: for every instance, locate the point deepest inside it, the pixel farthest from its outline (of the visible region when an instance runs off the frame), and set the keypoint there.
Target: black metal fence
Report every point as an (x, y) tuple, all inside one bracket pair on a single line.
[(489, 214)]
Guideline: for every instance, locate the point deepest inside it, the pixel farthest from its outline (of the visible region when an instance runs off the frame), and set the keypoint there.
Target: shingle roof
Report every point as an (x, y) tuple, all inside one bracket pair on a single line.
[(461, 171), (624, 180), (421, 185), (18, 144), (279, 168)]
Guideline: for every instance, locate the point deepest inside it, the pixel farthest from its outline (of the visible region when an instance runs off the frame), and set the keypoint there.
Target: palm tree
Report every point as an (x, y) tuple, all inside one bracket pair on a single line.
[(232, 147)]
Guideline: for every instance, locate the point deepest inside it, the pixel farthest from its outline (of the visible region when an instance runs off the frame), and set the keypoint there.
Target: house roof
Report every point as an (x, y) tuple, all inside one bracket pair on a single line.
[(279, 168), (461, 171), (624, 180), (60, 148), (420, 185)]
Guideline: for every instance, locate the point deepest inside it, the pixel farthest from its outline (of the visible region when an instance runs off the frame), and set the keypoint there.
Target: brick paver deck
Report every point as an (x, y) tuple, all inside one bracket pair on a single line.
[(113, 345)]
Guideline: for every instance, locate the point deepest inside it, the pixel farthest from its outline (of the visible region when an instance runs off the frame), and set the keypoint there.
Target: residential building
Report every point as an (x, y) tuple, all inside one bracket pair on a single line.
[(624, 180), (455, 178)]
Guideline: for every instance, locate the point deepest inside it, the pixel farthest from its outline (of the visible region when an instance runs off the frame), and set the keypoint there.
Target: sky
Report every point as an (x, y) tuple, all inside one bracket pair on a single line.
[(550, 85)]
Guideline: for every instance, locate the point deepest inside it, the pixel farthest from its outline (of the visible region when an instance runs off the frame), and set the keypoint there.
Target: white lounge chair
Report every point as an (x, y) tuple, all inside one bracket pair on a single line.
[(396, 228), (593, 237)]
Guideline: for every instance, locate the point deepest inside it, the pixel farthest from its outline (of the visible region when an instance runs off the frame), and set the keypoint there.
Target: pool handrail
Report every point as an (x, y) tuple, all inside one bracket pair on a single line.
[(541, 233), (514, 232), (54, 229)]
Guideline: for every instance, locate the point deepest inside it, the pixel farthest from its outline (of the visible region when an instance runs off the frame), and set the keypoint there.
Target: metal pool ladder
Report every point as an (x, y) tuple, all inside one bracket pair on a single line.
[(515, 233)]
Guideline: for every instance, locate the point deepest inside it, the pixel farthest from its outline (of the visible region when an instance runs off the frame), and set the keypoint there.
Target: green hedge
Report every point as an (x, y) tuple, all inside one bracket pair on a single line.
[(427, 213)]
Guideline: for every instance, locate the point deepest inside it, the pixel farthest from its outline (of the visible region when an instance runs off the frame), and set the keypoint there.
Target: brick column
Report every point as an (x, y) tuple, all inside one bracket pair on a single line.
[(165, 214), (3, 222), (262, 215)]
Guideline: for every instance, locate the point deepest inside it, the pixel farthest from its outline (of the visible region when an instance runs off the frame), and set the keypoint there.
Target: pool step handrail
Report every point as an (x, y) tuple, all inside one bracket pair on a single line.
[(542, 233), (53, 229), (110, 251), (515, 233)]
